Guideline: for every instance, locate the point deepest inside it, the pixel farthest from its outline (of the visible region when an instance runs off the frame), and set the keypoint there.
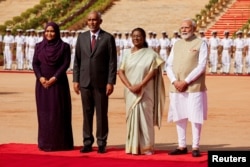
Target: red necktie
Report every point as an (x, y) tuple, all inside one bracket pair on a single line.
[(93, 41)]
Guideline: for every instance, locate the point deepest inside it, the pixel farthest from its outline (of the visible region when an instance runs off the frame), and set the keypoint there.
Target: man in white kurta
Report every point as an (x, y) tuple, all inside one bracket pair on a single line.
[(188, 99), (227, 45)]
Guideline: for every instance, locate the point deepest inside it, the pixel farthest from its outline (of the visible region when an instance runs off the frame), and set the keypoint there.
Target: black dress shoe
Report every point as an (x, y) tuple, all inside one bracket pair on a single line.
[(101, 149), (86, 149), (196, 153), (45, 149), (178, 151)]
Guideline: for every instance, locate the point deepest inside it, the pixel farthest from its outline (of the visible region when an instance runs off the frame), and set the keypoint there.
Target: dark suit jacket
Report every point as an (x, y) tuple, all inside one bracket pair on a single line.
[(98, 67)]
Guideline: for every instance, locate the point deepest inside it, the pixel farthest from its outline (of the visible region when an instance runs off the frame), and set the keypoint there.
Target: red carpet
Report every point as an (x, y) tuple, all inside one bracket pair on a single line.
[(28, 155)]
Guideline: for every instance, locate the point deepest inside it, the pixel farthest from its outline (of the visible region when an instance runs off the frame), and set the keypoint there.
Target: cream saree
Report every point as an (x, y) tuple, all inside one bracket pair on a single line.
[(143, 111)]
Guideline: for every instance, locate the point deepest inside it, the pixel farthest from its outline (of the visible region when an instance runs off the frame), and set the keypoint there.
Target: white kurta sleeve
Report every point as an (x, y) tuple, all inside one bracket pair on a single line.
[(169, 65), (201, 67)]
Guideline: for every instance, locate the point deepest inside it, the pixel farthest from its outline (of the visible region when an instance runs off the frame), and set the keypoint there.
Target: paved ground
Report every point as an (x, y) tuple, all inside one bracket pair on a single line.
[(227, 126)]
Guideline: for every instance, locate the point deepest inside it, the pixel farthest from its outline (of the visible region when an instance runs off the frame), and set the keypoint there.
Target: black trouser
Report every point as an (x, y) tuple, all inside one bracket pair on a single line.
[(95, 99)]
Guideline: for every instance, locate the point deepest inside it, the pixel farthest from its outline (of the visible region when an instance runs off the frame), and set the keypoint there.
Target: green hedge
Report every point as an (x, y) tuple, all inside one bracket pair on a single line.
[(60, 11)]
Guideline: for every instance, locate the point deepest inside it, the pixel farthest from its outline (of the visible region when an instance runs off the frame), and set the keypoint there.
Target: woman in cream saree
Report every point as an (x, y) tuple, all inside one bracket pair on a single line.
[(140, 71)]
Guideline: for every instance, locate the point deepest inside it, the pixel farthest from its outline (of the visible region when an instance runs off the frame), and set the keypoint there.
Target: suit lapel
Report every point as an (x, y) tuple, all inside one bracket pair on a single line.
[(87, 42)]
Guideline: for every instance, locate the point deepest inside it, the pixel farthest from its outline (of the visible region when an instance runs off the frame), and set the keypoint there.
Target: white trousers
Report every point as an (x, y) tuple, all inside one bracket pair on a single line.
[(181, 127), (213, 60), (72, 59), (247, 64), (226, 61), (30, 58), (7, 57), (19, 58), (238, 62), (163, 54)]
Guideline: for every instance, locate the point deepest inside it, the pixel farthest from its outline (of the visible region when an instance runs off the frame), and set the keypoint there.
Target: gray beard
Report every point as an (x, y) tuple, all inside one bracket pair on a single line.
[(186, 36)]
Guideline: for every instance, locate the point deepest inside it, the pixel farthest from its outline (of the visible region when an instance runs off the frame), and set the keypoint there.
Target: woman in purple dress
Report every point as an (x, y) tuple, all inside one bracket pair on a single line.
[(50, 63)]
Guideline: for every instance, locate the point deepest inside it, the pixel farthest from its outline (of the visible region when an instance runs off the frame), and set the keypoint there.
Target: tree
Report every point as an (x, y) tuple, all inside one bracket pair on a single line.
[(2, 28), (17, 19), (9, 23), (25, 15)]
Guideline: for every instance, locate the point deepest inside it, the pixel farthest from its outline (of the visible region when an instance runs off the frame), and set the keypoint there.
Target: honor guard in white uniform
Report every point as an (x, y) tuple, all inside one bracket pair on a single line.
[(247, 60), (1, 44), (67, 38), (202, 36), (213, 43), (174, 39), (26, 49), (117, 44), (8, 42), (31, 43), (40, 35), (127, 45), (156, 43), (115, 34), (62, 33), (239, 45), (164, 47), (227, 47), (19, 44), (74, 36), (150, 39), (121, 47), (130, 38)]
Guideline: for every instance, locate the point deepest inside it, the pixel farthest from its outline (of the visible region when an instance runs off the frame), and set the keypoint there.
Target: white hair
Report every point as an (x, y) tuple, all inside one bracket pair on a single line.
[(190, 20), (98, 14)]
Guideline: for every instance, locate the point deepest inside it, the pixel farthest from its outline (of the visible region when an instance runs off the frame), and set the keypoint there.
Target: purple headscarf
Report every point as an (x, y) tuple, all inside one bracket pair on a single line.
[(50, 50)]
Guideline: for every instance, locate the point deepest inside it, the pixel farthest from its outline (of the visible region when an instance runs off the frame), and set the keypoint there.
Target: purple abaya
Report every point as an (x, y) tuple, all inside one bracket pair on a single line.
[(52, 59)]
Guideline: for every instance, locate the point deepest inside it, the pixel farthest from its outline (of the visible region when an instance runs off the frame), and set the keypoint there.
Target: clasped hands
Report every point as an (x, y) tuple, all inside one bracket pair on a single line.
[(181, 86), (135, 88), (47, 83)]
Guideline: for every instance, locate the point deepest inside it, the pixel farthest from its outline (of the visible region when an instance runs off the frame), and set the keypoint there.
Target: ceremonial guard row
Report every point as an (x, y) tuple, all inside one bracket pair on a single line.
[(18, 50), (226, 55)]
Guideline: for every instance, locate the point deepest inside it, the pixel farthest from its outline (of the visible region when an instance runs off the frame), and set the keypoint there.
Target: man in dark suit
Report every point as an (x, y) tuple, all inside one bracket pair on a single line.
[(94, 76)]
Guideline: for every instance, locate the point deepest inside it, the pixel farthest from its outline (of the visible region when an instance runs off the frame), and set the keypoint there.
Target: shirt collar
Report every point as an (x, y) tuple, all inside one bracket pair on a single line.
[(96, 34)]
